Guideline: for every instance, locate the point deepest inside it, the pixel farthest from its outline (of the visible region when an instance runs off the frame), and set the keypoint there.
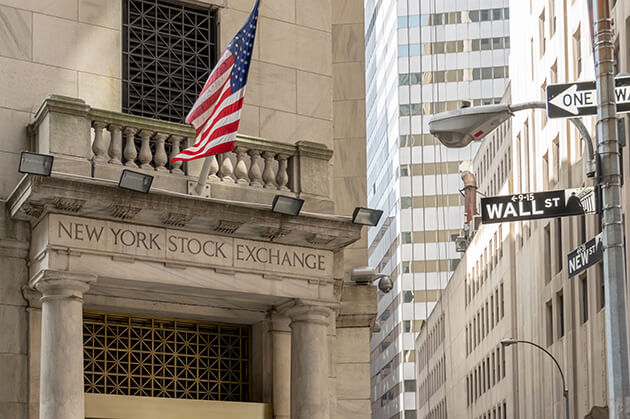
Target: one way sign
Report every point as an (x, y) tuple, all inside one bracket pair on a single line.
[(578, 99)]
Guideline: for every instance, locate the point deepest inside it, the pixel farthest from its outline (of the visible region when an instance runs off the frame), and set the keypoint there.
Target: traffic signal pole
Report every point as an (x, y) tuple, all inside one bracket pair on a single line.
[(610, 180)]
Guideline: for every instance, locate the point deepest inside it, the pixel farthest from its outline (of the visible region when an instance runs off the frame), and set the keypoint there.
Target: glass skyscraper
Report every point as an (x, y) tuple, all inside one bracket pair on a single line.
[(422, 57)]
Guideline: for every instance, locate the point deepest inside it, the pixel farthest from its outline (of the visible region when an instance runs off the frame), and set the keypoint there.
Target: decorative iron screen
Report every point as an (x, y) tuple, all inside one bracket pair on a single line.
[(141, 356), (168, 51)]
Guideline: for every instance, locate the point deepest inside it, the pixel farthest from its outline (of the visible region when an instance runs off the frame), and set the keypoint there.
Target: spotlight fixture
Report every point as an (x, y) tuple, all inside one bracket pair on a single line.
[(508, 342), (35, 163), (135, 181), (286, 205), (366, 216)]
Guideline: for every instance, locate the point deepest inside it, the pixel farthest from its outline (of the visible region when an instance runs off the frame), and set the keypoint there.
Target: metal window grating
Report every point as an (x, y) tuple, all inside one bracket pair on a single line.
[(168, 51), (155, 357)]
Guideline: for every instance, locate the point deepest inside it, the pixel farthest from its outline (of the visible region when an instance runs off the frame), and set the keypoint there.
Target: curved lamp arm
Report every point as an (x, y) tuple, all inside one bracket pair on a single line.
[(591, 165), (507, 342)]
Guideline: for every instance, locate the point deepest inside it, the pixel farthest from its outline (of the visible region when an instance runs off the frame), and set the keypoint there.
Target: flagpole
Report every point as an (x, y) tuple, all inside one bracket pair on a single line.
[(203, 176)]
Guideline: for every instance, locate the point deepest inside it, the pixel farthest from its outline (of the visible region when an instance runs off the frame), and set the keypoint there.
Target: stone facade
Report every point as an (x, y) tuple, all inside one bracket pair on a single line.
[(302, 134)]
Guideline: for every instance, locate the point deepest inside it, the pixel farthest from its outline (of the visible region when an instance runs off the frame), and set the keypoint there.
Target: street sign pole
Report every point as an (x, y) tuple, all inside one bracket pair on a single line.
[(610, 179)]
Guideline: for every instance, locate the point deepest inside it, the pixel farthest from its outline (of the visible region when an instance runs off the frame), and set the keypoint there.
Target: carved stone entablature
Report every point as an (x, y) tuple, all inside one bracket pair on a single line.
[(227, 227), (123, 212), (174, 219), (320, 239), (32, 210), (69, 204), (275, 233), (95, 199)]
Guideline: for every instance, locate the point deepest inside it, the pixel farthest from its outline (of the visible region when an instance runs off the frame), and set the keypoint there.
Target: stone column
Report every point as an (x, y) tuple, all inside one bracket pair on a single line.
[(61, 376), (281, 352), (309, 361)]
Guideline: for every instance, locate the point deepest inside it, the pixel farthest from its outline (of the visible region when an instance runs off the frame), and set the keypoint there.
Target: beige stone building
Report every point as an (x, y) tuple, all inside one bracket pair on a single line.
[(542, 304), (118, 304)]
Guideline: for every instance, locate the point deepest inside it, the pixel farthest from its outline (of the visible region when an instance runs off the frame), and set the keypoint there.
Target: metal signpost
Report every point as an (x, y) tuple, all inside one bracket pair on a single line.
[(580, 98), (532, 206), (586, 255)]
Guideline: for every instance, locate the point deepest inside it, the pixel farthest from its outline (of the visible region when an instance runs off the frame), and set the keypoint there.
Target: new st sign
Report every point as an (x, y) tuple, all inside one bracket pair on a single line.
[(586, 255), (532, 206), (578, 99)]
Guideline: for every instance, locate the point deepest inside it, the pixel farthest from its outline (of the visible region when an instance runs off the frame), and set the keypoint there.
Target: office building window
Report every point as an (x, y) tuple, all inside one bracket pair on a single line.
[(559, 254), (547, 253), (577, 52), (541, 33), (560, 300), (168, 51), (549, 315)]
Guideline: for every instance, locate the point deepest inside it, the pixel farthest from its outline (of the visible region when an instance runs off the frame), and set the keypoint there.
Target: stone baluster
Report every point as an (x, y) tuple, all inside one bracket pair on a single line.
[(145, 149), (227, 169), (282, 177), (240, 171), (268, 175), (176, 166), (255, 175), (98, 146), (115, 145), (160, 152), (130, 147), (61, 371), (214, 169)]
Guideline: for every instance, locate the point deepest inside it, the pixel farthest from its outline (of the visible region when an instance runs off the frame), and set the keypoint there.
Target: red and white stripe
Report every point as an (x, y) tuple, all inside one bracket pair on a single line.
[(216, 114)]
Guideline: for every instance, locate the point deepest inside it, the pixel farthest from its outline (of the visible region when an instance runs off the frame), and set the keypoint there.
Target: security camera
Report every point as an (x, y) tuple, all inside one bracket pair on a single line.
[(385, 284), (366, 275)]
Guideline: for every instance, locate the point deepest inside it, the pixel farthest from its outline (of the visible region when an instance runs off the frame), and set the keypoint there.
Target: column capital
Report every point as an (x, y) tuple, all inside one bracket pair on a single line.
[(309, 311), (61, 284), (279, 322)]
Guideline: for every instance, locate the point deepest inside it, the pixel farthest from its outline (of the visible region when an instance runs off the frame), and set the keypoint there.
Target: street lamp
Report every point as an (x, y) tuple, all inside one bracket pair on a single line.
[(460, 127), (565, 390)]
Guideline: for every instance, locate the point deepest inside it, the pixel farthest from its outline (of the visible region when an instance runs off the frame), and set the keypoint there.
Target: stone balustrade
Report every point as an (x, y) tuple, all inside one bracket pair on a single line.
[(111, 141)]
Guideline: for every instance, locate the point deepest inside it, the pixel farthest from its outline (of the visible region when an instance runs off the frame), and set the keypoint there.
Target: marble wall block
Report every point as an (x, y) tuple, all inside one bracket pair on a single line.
[(106, 13), (272, 86), (25, 85), (349, 157), (13, 386), (278, 125), (354, 193), (314, 14), (10, 175), (16, 33), (277, 42), (347, 11), (13, 329), (349, 81), (348, 43), (349, 119), (250, 121), (13, 129), (314, 93), (94, 49), (61, 8), (100, 91), (313, 50), (314, 129), (351, 345), (353, 381), (353, 409)]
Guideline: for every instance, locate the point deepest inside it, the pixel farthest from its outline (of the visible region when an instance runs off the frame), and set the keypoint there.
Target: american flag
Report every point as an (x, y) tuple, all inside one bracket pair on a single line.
[(217, 112)]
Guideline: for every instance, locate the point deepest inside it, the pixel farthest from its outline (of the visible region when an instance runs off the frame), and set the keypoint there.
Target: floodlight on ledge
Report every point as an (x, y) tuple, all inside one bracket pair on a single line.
[(366, 216), (460, 127), (287, 205), (135, 181), (35, 163)]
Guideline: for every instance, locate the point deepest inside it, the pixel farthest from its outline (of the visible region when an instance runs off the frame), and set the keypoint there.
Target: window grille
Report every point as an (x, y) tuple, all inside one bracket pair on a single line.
[(141, 356), (169, 49)]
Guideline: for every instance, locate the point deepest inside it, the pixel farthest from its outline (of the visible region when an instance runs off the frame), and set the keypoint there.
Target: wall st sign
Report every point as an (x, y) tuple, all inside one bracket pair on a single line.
[(532, 206), (198, 249)]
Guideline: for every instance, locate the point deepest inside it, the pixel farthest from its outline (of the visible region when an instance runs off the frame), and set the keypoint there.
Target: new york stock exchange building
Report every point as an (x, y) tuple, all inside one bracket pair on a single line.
[(120, 304)]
